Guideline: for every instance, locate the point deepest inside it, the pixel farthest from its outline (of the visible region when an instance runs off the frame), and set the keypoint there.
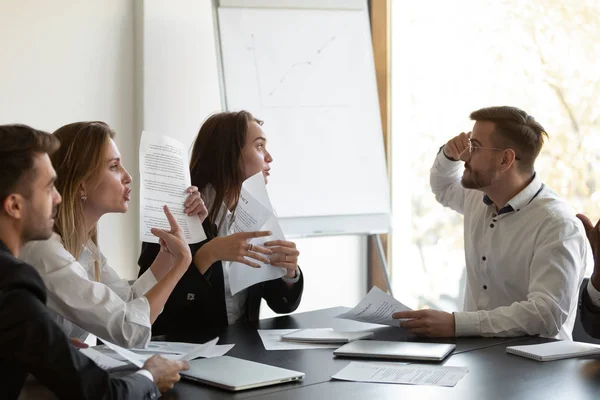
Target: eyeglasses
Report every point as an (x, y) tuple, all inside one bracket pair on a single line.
[(472, 148)]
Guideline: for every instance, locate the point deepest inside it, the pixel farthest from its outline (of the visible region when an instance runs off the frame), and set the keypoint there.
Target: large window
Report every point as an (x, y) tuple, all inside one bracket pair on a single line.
[(452, 57)]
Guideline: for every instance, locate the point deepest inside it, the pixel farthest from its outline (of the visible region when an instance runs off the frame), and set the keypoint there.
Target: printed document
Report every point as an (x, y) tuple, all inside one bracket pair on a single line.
[(164, 178), (412, 374), (376, 308), (176, 351), (255, 213)]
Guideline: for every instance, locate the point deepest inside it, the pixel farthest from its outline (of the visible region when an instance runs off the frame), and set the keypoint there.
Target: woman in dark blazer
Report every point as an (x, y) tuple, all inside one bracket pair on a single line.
[(230, 147)]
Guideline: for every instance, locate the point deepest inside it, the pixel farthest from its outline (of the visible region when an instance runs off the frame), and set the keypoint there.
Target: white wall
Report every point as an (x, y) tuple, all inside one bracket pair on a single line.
[(335, 272), (72, 60), (180, 74), (63, 61)]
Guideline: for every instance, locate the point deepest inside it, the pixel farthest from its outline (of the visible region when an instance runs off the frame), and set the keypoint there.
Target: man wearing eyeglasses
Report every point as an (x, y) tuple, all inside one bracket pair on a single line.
[(525, 249)]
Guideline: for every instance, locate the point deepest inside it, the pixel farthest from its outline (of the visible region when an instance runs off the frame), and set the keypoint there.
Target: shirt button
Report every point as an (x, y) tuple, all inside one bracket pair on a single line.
[(483, 258), (484, 287), (491, 225)]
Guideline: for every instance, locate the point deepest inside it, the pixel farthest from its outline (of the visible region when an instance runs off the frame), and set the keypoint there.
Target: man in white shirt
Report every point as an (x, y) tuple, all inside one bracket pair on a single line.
[(590, 297), (525, 250)]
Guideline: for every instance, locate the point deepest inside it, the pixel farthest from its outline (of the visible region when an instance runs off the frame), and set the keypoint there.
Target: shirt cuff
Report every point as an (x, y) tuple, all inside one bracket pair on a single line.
[(146, 373), (467, 323), (594, 294), (144, 283), (294, 279), (445, 163), (137, 312)]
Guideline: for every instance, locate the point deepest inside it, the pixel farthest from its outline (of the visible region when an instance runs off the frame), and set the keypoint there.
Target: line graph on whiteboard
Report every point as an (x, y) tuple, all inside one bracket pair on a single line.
[(298, 83)]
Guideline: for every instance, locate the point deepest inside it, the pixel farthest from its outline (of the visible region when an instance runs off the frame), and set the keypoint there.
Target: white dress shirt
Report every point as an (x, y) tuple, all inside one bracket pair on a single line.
[(235, 304), (111, 309), (524, 262)]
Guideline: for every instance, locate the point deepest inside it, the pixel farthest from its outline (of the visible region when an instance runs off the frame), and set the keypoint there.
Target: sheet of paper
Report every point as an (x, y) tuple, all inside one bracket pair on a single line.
[(377, 308), (271, 339), (172, 351), (412, 374), (102, 360), (164, 178), (201, 350), (126, 354), (255, 213)]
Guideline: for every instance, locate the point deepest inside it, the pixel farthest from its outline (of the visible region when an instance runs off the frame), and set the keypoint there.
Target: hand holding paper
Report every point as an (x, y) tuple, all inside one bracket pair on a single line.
[(377, 308), (164, 180), (255, 213)]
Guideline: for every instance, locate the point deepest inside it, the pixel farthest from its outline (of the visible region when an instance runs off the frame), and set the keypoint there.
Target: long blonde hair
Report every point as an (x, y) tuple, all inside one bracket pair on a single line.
[(81, 157)]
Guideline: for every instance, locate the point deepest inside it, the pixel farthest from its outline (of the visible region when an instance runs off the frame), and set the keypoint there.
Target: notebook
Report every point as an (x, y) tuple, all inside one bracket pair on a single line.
[(235, 374), (395, 350), (555, 350), (324, 336)]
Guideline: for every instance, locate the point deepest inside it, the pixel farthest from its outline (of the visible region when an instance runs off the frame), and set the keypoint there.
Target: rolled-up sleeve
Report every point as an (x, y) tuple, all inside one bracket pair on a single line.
[(445, 180)]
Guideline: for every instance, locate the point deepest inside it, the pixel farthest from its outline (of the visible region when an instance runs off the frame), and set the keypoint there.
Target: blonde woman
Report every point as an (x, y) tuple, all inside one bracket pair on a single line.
[(84, 292)]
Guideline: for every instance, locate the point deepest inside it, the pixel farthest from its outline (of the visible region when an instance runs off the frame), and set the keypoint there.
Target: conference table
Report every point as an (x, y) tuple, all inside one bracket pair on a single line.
[(493, 374)]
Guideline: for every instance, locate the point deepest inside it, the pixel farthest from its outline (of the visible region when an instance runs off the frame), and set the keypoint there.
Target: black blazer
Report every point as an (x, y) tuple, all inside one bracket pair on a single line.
[(590, 314), (32, 343), (198, 301)]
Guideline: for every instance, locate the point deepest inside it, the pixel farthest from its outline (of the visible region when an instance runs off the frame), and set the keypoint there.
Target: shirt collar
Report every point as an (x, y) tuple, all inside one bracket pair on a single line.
[(224, 216), (522, 198)]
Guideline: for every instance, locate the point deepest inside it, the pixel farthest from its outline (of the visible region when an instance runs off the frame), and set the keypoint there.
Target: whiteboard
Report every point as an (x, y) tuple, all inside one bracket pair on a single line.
[(309, 74)]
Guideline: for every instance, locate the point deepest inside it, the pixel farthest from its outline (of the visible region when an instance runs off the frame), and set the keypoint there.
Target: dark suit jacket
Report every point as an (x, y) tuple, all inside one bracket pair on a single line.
[(590, 314), (32, 343), (198, 301)]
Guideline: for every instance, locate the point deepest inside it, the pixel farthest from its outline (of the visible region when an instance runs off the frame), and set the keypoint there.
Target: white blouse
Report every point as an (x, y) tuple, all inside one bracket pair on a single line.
[(235, 304), (111, 309)]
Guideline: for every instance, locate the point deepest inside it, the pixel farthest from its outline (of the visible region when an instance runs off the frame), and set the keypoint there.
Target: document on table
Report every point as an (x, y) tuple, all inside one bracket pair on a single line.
[(172, 351), (160, 347), (271, 339), (255, 213), (412, 374), (126, 354), (102, 360), (164, 178), (377, 308)]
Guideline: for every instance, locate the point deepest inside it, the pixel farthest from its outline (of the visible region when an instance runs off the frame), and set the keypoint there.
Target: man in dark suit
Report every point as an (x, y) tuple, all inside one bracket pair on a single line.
[(590, 297), (30, 341)]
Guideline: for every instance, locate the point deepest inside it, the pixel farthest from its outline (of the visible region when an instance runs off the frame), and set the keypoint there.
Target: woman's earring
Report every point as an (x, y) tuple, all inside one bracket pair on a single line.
[(83, 198)]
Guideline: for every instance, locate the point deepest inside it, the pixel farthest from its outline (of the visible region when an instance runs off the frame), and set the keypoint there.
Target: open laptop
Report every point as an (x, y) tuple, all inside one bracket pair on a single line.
[(395, 350), (235, 374)]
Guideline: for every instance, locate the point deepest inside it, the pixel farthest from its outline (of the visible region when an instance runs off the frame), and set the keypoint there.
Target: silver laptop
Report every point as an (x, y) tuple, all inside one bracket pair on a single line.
[(395, 350), (235, 374)]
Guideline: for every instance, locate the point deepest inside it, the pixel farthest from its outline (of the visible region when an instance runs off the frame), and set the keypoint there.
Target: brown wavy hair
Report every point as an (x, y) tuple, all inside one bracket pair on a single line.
[(216, 160)]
